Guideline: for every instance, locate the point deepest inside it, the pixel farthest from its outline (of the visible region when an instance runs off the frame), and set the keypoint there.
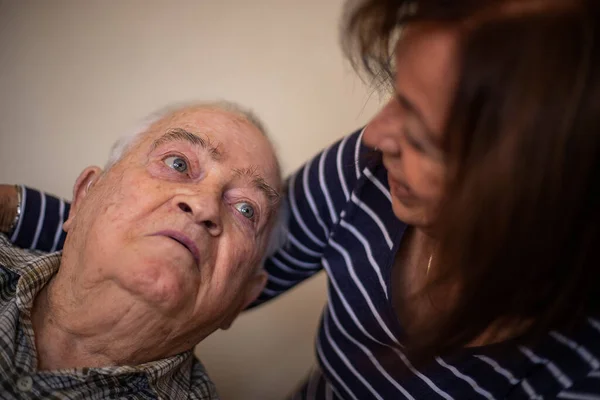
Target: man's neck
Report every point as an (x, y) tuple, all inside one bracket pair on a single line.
[(72, 332)]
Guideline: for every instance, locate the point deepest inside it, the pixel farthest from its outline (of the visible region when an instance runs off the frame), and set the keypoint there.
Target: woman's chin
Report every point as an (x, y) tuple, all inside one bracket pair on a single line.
[(411, 213)]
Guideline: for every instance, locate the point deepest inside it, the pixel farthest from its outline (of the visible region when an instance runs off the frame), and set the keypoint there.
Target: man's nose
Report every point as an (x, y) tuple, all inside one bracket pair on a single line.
[(204, 209)]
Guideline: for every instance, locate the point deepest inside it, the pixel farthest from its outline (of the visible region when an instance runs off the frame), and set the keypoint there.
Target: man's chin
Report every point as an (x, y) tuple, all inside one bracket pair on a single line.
[(166, 289)]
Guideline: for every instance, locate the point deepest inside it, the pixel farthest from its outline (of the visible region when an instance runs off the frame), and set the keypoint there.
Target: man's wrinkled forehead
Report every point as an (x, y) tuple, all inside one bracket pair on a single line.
[(209, 121), (202, 141), (226, 137)]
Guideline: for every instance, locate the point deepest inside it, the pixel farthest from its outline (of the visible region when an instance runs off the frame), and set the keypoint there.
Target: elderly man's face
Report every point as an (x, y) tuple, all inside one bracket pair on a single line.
[(182, 221)]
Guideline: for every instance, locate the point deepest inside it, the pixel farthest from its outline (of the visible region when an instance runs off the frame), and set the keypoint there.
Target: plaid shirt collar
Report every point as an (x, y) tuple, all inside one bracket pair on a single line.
[(35, 271)]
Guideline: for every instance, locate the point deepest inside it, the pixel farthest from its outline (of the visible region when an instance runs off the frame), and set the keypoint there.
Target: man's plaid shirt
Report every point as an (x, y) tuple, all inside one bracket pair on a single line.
[(22, 275)]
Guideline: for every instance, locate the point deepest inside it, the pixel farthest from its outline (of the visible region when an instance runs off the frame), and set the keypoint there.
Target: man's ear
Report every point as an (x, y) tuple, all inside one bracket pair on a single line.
[(83, 185), (253, 289)]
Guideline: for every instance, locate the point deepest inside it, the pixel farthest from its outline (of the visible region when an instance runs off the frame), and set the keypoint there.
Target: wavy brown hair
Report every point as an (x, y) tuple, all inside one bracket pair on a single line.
[(519, 227)]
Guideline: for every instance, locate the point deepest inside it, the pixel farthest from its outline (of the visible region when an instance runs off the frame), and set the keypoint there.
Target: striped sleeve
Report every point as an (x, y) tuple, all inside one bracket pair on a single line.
[(41, 222), (315, 198), (585, 389)]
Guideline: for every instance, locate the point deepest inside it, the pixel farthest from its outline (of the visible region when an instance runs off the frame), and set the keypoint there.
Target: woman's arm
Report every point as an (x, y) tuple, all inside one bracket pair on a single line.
[(315, 198), (38, 225)]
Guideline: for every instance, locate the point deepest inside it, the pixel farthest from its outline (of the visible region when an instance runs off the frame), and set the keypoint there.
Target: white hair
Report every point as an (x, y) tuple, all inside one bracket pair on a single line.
[(124, 143), (279, 233)]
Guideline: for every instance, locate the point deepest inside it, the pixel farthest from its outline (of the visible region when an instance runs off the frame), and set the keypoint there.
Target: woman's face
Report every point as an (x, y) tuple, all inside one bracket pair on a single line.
[(409, 129)]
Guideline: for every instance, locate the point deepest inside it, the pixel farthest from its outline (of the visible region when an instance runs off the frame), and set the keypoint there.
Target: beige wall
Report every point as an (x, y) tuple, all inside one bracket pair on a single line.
[(74, 75)]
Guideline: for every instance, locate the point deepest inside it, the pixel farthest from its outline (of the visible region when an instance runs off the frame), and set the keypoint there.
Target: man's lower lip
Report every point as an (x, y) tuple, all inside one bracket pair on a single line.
[(196, 261), (188, 250)]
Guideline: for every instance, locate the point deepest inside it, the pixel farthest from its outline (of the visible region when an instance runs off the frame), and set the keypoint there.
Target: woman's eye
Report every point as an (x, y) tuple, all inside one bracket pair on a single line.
[(177, 163), (413, 142), (245, 209)]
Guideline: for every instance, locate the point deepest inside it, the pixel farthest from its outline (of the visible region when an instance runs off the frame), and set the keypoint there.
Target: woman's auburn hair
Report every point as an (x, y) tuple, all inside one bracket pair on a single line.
[(519, 224)]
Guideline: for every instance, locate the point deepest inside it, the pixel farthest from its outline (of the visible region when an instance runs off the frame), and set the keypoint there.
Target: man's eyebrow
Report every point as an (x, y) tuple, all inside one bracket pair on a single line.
[(181, 135), (259, 183), (413, 109)]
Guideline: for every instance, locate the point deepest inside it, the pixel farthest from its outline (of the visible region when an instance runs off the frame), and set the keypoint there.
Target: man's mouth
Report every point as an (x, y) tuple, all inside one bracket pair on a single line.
[(183, 240)]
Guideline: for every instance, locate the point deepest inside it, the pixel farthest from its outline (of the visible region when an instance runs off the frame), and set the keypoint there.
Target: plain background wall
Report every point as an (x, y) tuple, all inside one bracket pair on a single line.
[(75, 75)]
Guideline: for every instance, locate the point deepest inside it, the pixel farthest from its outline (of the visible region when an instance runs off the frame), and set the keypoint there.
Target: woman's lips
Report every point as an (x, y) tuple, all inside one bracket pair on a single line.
[(399, 189)]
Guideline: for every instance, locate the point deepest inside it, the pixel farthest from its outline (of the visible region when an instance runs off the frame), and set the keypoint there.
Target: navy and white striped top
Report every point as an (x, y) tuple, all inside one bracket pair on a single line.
[(341, 219)]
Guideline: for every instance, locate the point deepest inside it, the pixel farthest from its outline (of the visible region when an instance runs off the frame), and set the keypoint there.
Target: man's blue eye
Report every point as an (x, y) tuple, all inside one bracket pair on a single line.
[(177, 163), (245, 209)]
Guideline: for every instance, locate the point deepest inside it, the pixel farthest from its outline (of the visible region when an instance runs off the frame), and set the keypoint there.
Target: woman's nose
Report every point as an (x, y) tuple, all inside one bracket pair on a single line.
[(383, 132)]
